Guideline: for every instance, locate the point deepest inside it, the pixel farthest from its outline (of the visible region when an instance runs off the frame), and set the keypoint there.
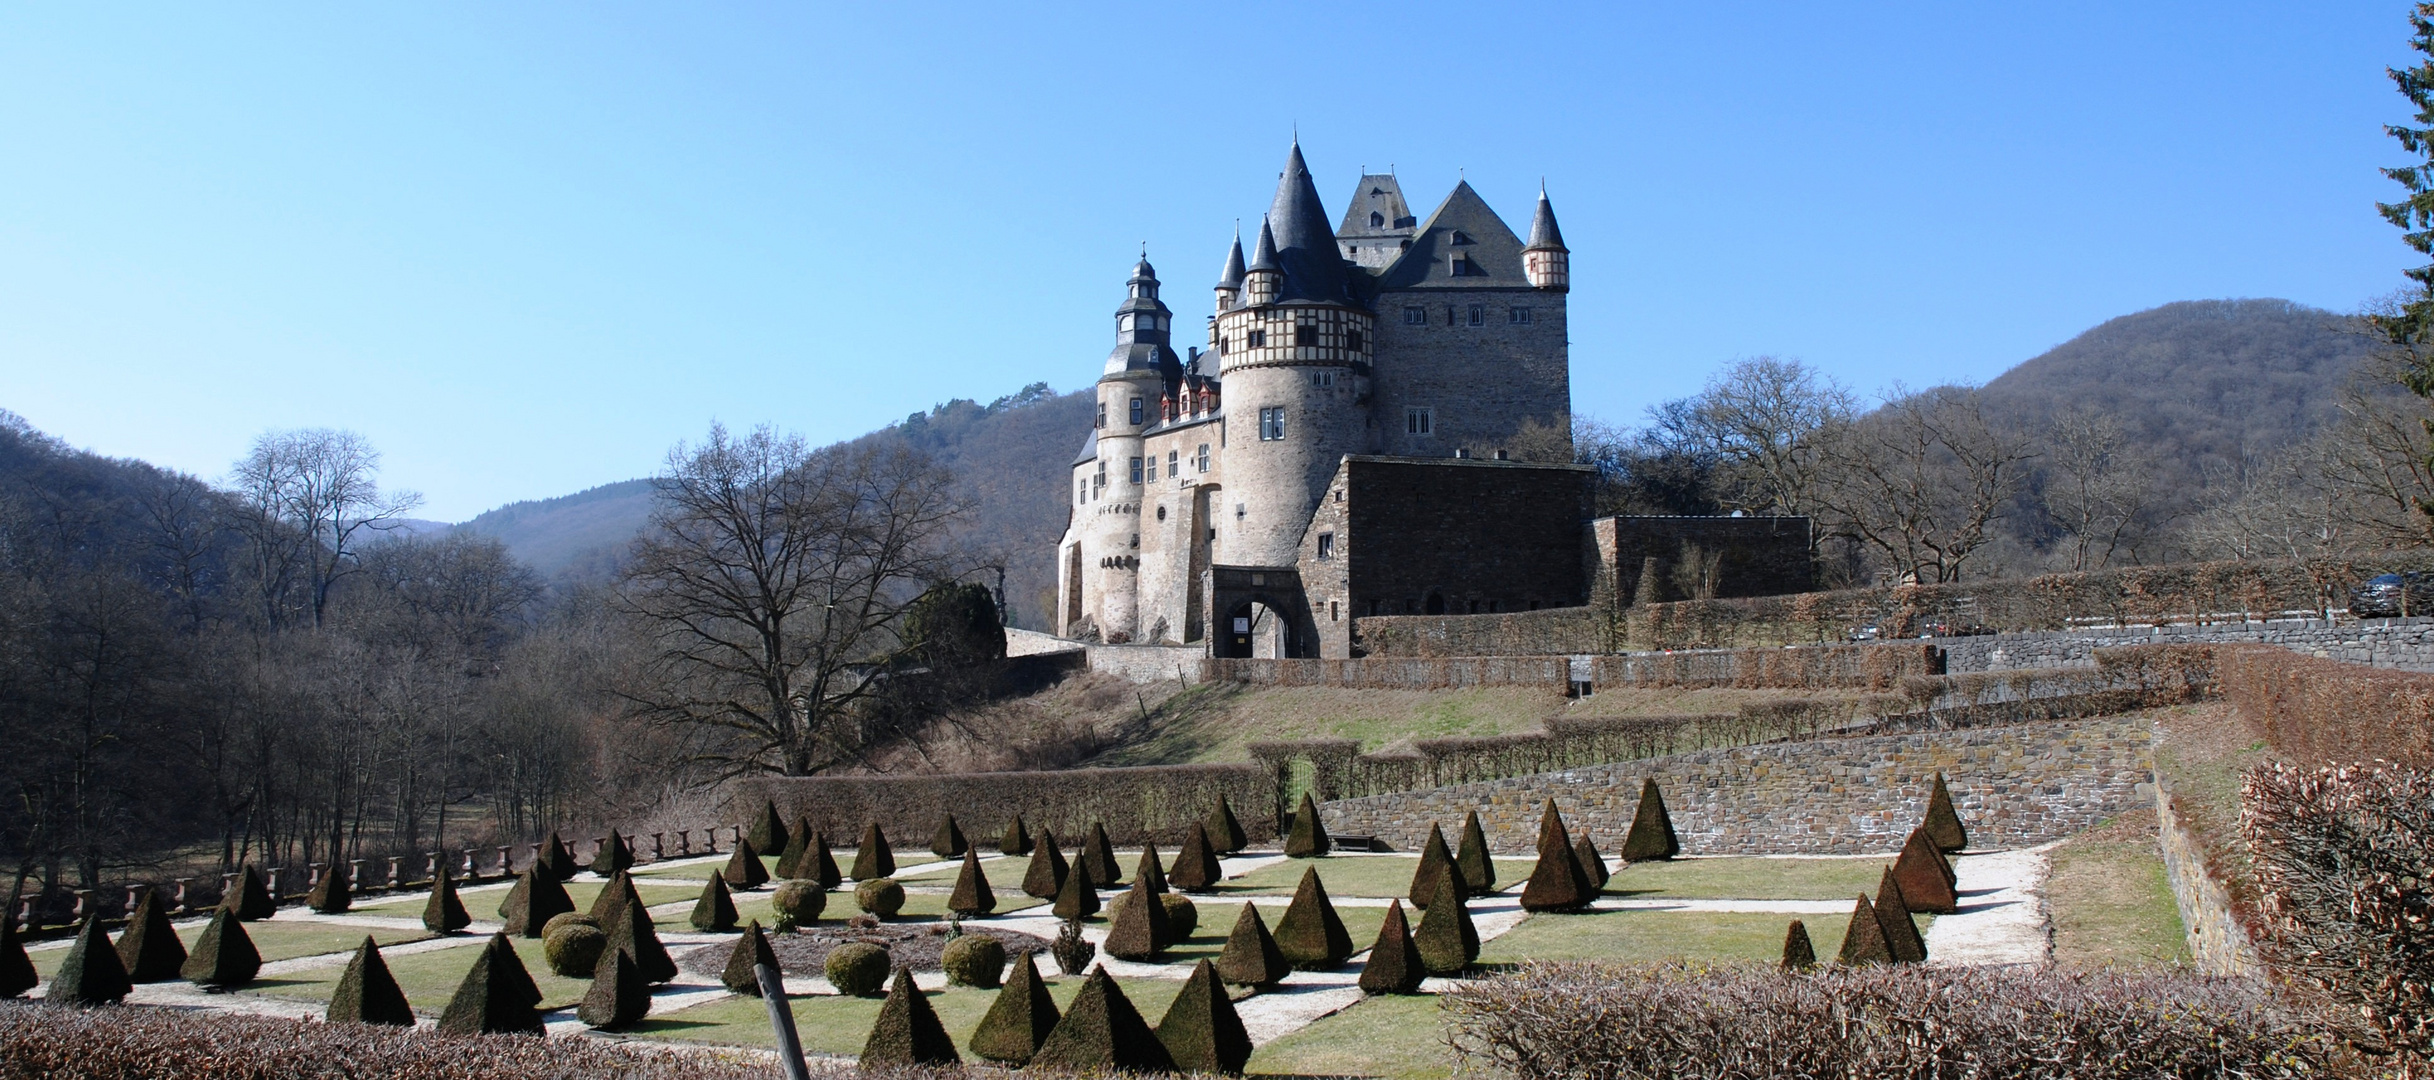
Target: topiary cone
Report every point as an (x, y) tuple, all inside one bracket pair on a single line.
[(1101, 1032), (907, 1031), (948, 841), (768, 830), (798, 844), (619, 998), (553, 854), (635, 935), (149, 948), (334, 893), (1149, 870), (1201, 1031), (536, 898), (250, 899), (1225, 833), (17, 973), (1015, 841), (611, 902), (1901, 935), (744, 869), (1250, 957), (1943, 824), (873, 859), (445, 913), (972, 895), (1436, 861), (614, 857), (752, 948), (1477, 866), (1557, 883), (1920, 870), (1046, 874), (1551, 827), (1312, 935), (1140, 931), (496, 998), (714, 913), (1798, 954), (1308, 839), (223, 956), (367, 993), (1448, 941), (1101, 856), (1078, 898), (92, 974), (1394, 965), (1196, 867), (1591, 863), (821, 864), (1020, 1018), (1863, 941), (1651, 835)]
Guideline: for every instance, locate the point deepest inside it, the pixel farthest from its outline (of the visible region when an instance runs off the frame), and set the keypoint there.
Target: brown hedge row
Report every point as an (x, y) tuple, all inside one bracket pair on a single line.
[(2327, 712), (1566, 1021), (1868, 667), (1153, 803), (2186, 592)]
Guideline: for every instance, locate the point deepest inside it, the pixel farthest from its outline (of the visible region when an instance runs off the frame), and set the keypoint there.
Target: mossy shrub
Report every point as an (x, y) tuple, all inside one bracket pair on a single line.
[(1181, 917), (857, 969), (798, 903), (879, 896), (574, 949), (974, 960), (566, 919)]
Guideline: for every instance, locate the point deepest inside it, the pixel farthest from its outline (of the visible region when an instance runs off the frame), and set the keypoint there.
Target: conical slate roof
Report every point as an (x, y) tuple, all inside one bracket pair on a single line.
[(1305, 243), (1263, 254), (1463, 229), (1231, 276), (1543, 233)]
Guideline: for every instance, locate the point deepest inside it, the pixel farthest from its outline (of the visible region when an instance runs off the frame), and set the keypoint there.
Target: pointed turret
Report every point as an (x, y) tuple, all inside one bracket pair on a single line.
[(1266, 275), (1144, 326), (1229, 280), (1305, 244), (1546, 261)]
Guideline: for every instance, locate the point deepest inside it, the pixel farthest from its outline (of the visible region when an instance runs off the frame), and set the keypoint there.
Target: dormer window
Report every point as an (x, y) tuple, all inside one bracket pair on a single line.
[(1462, 238), (1377, 220)]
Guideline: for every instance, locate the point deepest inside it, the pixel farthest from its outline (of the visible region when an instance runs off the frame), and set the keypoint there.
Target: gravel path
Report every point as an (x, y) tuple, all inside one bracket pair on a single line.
[(2003, 917)]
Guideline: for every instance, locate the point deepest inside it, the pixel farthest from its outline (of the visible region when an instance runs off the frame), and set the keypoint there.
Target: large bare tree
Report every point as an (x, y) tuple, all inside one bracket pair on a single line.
[(1760, 418), (309, 497), (2097, 487), (775, 580), (1920, 480)]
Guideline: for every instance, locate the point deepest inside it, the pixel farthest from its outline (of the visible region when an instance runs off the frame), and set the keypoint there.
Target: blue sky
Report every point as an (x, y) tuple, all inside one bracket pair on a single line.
[(526, 247)]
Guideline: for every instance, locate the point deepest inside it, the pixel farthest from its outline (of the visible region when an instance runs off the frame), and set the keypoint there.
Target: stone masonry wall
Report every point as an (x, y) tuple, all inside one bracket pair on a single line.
[(2014, 786), (2217, 942), (2402, 644)]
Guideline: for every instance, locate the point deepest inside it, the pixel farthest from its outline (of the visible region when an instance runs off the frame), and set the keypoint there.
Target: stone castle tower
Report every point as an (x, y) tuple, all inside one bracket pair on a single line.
[(1386, 338)]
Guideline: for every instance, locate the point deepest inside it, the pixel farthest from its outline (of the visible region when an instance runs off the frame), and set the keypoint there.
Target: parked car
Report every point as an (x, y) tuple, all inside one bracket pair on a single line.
[(2388, 596)]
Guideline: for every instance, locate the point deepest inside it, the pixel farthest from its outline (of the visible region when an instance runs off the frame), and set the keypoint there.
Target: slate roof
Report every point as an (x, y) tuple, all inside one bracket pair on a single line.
[(1543, 233), (1305, 247), (1380, 194), (1462, 225)]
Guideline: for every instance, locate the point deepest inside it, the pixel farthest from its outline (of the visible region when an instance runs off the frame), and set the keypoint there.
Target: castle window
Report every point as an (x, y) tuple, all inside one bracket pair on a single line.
[(1335, 611), (1102, 420), (1326, 545), (1519, 316), (1204, 457), (1171, 470), (1460, 265), (1415, 316), (1136, 410), (1377, 220), (1259, 339), (1305, 335), (1152, 466), (1478, 314), (1352, 340), (1322, 378), (1461, 237), (1272, 424), (1419, 421), (1081, 491), (1161, 513), (1136, 470)]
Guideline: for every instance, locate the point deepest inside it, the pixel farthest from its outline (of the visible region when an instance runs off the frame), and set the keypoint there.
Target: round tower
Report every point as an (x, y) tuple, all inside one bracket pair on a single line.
[(1295, 358), (1138, 369), (1546, 262)]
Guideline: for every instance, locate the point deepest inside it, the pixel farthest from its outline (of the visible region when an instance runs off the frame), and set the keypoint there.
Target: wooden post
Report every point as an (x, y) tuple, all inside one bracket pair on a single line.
[(781, 1021), (709, 840), (659, 849)]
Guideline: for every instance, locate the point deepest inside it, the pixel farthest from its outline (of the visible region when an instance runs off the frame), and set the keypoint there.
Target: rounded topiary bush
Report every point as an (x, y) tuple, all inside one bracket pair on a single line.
[(1181, 917), (567, 918), (574, 949), (857, 969), (974, 960), (798, 903), (879, 896)]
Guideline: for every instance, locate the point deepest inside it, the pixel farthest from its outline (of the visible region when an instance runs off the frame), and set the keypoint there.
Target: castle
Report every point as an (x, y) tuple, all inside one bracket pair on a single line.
[(1386, 373)]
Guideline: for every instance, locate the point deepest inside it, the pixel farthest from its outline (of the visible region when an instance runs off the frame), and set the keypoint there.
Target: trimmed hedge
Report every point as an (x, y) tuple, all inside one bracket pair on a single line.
[(1150, 803), (2326, 712)]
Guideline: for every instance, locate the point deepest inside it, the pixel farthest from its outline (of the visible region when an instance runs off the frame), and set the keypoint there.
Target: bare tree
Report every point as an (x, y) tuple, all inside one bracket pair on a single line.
[(309, 494), (2273, 506), (1759, 419), (1920, 480), (2097, 486), (2378, 458), (774, 579)]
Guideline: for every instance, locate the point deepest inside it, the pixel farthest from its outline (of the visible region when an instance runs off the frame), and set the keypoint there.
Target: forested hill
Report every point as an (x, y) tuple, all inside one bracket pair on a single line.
[(2196, 382), (1008, 457)]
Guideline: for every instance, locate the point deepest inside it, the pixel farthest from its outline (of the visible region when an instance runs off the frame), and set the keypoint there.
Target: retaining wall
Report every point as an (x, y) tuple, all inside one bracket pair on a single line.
[(2218, 944), (2014, 786), (2402, 644)]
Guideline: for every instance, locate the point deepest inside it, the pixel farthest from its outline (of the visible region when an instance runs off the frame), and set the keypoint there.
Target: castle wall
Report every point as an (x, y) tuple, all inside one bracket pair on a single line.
[(1272, 485), (1703, 558), (1480, 382)]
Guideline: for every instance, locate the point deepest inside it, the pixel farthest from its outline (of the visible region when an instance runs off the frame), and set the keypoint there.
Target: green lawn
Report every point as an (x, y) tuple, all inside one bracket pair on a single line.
[(431, 978), (485, 905), (1217, 920), (274, 940), (1749, 879), (1394, 1036), (1658, 935), (1381, 876), (2111, 902), (840, 906), (838, 1025)]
